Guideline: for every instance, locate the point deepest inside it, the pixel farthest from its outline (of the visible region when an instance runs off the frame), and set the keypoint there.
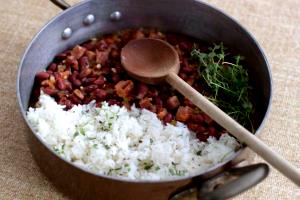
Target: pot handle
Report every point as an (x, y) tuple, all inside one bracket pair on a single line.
[(61, 4), (225, 185)]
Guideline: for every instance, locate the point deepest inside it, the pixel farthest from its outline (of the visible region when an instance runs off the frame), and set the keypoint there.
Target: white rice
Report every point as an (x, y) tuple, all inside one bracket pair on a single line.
[(135, 144)]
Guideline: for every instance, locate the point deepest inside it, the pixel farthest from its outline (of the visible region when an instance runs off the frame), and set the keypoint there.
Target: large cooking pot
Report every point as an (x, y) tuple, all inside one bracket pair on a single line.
[(94, 17)]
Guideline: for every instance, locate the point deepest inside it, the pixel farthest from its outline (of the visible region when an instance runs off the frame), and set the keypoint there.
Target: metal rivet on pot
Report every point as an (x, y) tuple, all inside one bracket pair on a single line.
[(66, 33), (116, 16), (89, 19)]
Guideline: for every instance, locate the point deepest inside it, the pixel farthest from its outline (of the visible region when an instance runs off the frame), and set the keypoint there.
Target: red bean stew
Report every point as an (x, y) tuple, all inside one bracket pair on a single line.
[(92, 71)]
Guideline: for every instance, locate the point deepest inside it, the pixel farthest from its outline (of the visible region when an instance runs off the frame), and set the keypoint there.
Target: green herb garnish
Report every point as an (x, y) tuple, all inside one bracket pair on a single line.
[(176, 172), (228, 82), (149, 166), (63, 149), (82, 131), (198, 153), (56, 150), (146, 164), (59, 151), (75, 134)]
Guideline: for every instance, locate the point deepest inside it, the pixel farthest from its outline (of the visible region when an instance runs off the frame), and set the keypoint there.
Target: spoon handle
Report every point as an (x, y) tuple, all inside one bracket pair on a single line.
[(233, 127)]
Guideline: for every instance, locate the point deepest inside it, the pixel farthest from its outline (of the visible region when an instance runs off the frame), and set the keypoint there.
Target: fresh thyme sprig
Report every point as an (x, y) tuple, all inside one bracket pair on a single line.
[(228, 82)]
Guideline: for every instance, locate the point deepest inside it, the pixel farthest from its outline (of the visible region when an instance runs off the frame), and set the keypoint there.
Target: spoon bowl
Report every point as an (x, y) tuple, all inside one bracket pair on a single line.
[(150, 60)]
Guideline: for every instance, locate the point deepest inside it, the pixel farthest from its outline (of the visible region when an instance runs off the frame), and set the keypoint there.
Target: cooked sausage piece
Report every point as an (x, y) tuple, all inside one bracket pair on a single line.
[(184, 113), (124, 88)]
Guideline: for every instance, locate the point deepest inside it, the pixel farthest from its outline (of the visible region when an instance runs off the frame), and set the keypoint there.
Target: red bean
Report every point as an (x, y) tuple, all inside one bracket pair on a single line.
[(89, 46), (152, 92), (201, 129), (158, 102), (212, 131), (101, 45), (57, 75), (184, 45), (88, 81), (173, 102), (42, 76), (187, 46), (186, 68), (192, 126), (66, 102), (207, 119), (91, 88), (52, 67), (60, 84), (190, 81), (36, 92), (84, 62), (119, 69), (60, 57), (72, 62), (142, 91), (116, 78), (87, 100), (113, 102), (74, 80), (109, 40), (187, 102), (168, 118), (75, 99), (105, 70), (68, 85), (49, 91), (182, 75), (100, 80), (100, 94), (49, 72), (76, 74), (202, 137), (197, 118), (114, 53)]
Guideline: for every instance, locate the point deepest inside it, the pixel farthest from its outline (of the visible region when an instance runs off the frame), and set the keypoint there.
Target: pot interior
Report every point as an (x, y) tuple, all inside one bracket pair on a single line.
[(190, 18)]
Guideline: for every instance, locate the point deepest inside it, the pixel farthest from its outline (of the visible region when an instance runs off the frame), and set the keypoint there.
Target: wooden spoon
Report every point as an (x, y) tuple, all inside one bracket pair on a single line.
[(152, 61)]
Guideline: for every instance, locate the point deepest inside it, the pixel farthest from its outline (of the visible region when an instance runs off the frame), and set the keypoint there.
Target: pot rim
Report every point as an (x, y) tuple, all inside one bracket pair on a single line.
[(171, 179)]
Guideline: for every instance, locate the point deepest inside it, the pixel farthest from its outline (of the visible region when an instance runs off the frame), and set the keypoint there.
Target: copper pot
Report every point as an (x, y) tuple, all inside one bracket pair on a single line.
[(93, 17)]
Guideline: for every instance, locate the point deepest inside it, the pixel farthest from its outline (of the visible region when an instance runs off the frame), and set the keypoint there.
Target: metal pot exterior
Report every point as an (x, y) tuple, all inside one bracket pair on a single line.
[(189, 17)]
